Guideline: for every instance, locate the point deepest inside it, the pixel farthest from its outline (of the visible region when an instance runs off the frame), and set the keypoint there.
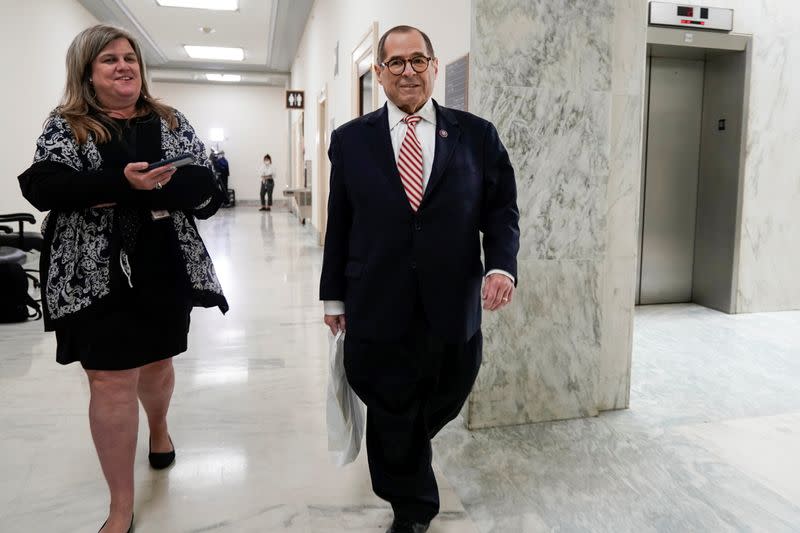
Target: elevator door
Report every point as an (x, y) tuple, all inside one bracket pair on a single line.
[(670, 183)]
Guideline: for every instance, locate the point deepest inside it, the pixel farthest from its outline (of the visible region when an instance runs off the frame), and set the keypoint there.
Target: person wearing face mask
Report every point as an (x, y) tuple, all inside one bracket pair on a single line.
[(123, 263), (267, 183), (412, 188)]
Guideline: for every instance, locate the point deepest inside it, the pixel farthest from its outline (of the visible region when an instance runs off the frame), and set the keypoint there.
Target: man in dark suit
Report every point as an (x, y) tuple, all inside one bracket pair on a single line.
[(413, 185)]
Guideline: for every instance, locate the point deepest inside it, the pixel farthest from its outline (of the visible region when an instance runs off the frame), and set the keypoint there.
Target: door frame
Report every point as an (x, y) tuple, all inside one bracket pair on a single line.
[(365, 50), (298, 152), (322, 184)]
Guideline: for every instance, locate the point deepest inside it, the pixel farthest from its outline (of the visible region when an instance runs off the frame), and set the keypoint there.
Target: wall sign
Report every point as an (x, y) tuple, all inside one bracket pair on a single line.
[(295, 99)]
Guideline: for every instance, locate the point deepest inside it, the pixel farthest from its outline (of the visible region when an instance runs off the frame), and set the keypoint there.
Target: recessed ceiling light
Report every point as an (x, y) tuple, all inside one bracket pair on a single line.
[(214, 52), (216, 5), (223, 77)]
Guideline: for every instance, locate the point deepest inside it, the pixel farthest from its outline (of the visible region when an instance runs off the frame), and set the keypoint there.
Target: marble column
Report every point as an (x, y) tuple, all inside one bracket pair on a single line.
[(563, 83)]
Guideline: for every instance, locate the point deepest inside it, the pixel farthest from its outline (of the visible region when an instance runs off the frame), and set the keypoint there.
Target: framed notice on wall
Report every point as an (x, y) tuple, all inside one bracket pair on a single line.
[(456, 84)]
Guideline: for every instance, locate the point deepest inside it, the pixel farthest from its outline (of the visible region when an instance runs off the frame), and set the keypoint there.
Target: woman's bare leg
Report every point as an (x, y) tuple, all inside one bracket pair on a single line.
[(114, 422), (156, 383)]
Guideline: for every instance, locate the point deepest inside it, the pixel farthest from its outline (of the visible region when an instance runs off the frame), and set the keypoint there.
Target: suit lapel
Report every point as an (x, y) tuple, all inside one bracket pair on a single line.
[(380, 142), (447, 137)]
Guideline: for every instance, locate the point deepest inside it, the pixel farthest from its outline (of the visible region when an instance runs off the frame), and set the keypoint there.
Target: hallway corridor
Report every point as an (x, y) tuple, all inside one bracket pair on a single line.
[(247, 418), (709, 444)]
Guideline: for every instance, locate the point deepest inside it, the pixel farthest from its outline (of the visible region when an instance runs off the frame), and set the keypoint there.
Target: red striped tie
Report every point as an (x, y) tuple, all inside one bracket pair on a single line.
[(409, 163)]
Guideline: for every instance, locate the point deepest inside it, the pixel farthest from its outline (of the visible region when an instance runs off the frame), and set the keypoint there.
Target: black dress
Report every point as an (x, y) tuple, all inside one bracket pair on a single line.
[(147, 319)]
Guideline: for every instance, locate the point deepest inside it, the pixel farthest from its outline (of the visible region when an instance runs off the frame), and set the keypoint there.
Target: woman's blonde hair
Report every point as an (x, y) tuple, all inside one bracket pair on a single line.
[(79, 105)]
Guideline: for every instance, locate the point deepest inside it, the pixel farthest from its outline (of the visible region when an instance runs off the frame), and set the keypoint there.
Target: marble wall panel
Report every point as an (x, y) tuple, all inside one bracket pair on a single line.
[(558, 143), (628, 47), (542, 43), (769, 257), (619, 280), (541, 353), (625, 176), (563, 82), (616, 333)]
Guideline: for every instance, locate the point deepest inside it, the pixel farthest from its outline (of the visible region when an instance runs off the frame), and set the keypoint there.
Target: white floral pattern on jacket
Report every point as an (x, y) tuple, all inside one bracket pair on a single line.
[(79, 272)]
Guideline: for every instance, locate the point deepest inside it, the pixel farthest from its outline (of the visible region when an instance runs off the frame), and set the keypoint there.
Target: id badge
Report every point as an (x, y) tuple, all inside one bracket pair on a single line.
[(159, 214)]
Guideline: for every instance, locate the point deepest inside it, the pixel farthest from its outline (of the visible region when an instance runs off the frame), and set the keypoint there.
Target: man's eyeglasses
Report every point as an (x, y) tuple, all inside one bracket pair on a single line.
[(419, 64)]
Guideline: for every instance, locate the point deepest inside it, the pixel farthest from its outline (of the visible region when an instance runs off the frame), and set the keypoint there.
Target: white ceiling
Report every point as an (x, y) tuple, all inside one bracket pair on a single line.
[(268, 30)]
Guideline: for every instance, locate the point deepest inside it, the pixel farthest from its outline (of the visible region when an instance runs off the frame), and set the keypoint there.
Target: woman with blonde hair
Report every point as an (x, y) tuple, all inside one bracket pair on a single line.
[(123, 263)]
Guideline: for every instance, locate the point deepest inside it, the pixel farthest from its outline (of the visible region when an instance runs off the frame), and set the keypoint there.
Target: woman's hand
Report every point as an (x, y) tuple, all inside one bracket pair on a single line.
[(147, 181)]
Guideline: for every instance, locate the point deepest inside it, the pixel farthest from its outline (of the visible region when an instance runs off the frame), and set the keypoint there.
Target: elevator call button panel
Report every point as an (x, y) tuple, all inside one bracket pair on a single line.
[(691, 16)]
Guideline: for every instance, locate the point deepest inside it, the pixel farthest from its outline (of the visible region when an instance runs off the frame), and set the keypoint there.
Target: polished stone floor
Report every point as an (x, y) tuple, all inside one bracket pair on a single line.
[(247, 418), (711, 441)]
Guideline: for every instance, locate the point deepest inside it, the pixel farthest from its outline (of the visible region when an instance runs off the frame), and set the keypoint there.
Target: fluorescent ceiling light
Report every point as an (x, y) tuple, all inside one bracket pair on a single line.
[(223, 77), (216, 5), (214, 52), (216, 134)]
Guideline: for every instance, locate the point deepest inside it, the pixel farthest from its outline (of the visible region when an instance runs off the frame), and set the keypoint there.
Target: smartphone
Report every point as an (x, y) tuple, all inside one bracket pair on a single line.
[(177, 161)]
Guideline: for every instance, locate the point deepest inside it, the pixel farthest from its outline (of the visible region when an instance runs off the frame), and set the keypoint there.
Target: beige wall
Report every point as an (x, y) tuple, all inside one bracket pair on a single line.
[(253, 118), (34, 37), (447, 23)]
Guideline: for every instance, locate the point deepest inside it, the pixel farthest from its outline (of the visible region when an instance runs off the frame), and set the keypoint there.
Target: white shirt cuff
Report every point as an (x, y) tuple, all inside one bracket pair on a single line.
[(336, 307), (503, 272), (333, 307)]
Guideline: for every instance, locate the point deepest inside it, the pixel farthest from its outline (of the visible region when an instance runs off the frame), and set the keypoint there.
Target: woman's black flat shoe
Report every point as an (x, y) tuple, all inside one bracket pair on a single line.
[(130, 528), (160, 461)]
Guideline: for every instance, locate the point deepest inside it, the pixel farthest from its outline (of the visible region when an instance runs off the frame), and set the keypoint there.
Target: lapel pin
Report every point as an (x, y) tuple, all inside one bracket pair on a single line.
[(443, 133)]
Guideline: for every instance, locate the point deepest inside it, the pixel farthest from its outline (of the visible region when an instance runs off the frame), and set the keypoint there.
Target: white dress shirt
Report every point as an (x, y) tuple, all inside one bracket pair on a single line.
[(426, 134), (265, 171)]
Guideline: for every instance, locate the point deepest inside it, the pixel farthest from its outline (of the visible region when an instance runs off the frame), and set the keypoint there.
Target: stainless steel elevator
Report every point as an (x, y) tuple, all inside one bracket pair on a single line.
[(694, 130)]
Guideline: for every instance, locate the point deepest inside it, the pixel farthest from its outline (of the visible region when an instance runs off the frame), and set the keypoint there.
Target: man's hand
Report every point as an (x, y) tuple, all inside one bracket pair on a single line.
[(498, 289), (335, 323)]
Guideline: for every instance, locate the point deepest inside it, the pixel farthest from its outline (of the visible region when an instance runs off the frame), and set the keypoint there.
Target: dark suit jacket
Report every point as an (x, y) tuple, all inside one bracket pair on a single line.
[(379, 255)]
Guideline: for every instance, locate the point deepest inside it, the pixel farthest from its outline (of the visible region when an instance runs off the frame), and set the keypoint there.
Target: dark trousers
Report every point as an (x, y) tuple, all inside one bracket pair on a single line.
[(266, 189), (412, 389)]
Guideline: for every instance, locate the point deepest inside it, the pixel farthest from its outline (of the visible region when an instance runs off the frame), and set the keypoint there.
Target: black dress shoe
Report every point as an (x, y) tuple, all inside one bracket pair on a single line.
[(161, 460), (400, 525)]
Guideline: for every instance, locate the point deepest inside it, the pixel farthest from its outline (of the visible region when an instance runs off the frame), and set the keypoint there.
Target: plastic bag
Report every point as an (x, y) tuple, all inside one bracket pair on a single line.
[(345, 412)]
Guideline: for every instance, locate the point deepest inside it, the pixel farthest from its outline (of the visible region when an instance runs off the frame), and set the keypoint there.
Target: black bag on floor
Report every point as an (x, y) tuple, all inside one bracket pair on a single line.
[(14, 297)]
